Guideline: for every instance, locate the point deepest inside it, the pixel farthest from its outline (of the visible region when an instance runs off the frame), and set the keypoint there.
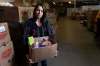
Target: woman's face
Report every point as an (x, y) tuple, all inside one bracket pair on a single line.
[(39, 12)]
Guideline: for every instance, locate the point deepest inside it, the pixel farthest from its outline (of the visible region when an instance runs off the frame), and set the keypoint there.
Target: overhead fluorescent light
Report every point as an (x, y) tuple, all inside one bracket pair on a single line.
[(6, 4), (54, 3)]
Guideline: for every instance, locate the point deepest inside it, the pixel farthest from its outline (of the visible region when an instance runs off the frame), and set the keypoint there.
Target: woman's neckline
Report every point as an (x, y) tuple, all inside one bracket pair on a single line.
[(38, 23)]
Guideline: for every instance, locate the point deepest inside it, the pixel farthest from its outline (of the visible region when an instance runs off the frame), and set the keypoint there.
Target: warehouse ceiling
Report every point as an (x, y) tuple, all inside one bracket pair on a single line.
[(78, 2), (81, 1)]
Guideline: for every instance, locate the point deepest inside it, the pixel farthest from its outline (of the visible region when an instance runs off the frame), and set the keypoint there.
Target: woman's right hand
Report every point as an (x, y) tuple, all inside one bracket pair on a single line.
[(29, 59)]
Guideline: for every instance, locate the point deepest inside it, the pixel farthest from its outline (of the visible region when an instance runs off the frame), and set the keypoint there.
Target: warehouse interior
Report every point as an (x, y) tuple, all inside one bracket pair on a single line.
[(76, 26)]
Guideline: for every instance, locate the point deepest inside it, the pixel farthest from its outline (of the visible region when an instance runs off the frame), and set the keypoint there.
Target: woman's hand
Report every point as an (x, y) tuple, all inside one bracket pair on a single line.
[(46, 38), (29, 59), (46, 43)]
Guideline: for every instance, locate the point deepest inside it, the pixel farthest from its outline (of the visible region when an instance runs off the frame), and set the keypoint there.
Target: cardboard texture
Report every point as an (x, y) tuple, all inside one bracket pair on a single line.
[(42, 53), (25, 13), (4, 33)]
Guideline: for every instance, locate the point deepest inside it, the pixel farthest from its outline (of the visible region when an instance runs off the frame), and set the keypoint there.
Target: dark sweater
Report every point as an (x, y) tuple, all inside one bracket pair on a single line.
[(31, 29)]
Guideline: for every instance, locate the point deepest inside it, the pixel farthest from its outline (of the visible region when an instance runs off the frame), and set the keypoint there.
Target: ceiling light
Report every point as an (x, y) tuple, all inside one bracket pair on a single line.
[(69, 2), (54, 3)]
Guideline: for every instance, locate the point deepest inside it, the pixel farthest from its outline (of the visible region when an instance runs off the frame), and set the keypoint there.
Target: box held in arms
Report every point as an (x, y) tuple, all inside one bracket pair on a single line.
[(45, 51)]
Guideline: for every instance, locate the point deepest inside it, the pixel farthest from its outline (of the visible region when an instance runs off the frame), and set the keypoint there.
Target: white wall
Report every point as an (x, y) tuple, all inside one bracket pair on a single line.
[(70, 10), (91, 7), (7, 0)]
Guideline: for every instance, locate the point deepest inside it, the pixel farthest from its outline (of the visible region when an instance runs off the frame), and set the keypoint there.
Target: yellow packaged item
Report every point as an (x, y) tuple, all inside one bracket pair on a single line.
[(31, 40)]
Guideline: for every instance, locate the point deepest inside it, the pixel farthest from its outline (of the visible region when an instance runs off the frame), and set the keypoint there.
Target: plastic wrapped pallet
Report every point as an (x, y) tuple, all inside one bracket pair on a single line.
[(6, 46)]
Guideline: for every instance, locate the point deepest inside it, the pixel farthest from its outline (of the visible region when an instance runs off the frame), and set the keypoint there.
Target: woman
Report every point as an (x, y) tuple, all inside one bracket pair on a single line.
[(37, 26)]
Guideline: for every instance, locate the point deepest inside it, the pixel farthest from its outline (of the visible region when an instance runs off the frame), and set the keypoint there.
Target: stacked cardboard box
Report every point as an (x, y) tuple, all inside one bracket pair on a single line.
[(6, 46)]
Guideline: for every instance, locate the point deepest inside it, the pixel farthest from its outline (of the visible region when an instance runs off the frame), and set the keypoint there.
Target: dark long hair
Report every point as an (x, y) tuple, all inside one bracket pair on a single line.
[(44, 13)]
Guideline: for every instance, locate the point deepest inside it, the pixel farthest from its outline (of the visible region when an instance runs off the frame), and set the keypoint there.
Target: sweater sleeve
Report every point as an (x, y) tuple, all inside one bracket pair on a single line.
[(50, 28), (25, 37), (51, 32)]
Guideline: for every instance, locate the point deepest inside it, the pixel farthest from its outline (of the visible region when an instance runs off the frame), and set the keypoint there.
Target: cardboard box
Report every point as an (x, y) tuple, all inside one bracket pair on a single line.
[(4, 33), (6, 54), (42, 53)]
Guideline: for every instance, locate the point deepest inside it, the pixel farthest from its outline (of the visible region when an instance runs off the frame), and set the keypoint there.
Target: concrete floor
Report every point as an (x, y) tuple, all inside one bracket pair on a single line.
[(77, 46)]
